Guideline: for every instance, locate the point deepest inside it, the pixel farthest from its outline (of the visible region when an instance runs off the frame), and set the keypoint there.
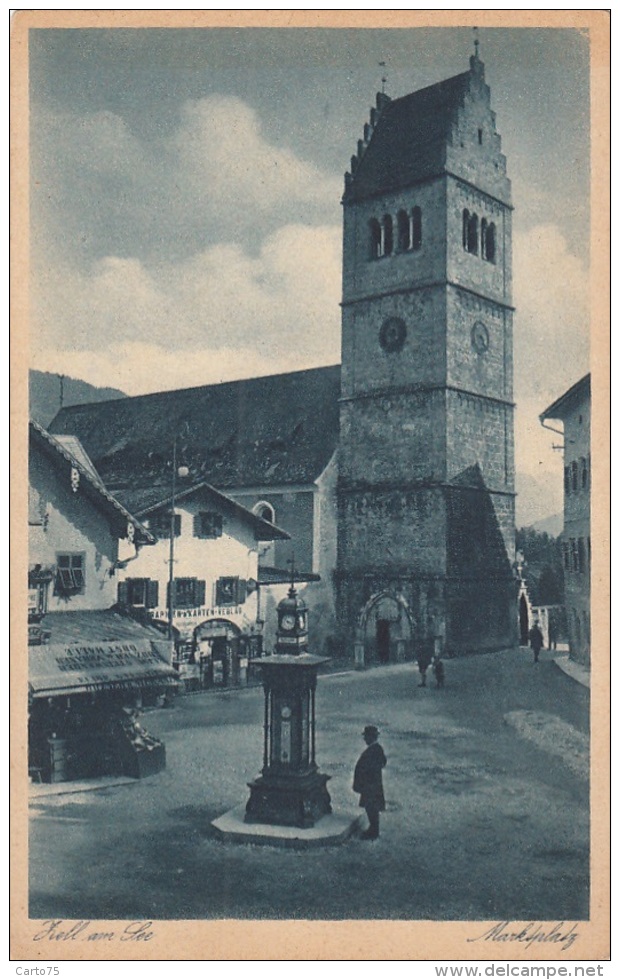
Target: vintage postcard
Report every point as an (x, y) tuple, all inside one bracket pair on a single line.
[(310, 327)]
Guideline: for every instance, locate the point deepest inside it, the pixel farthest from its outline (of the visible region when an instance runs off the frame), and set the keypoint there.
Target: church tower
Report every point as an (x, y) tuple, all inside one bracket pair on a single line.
[(426, 458)]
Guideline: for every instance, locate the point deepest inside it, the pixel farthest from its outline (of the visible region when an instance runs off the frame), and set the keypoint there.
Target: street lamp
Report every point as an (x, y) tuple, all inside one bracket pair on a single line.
[(182, 472)]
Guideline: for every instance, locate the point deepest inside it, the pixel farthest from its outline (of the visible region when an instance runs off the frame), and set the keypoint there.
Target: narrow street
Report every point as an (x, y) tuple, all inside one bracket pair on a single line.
[(487, 808)]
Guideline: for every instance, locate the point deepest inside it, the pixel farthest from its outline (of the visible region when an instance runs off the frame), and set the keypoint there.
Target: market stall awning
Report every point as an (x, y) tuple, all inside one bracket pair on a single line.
[(97, 651), (57, 669)]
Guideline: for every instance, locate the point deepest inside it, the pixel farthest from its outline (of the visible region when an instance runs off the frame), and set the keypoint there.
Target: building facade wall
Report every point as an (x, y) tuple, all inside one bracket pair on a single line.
[(232, 555), (63, 522), (576, 534), (293, 509)]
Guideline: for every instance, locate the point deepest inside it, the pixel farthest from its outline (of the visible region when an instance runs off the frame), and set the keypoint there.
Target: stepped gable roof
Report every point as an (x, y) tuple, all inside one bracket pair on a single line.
[(145, 501), (274, 430), (409, 138)]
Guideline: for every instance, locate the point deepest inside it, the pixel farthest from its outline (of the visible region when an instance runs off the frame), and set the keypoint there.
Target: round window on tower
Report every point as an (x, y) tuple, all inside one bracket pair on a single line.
[(393, 334)]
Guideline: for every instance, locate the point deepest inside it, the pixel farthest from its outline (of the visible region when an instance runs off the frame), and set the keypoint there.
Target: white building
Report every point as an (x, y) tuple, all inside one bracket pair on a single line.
[(215, 602)]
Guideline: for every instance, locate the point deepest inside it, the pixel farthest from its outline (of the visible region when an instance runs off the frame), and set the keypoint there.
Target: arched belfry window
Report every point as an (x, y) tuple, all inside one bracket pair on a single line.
[(483, 238), (472, 234), (404, 232), (376, 239), (490, 243), (388, 235), (465, 228), (416, 228)]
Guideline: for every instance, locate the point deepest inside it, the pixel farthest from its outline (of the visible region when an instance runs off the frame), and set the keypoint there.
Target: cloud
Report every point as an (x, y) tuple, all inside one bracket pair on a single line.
[(551, 339), (100, 189), (552, 322), (220, 151), (278, 311), (136, 367)]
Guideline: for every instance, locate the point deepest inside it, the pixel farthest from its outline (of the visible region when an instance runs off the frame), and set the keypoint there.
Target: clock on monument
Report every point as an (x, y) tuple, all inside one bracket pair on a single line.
[(292, 634)]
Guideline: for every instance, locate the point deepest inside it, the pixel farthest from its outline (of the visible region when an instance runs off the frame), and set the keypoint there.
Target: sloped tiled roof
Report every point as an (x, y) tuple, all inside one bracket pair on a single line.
[(279, 429), (96, 626), (409, 140), (73, 445), (144, 501), (565, 403)]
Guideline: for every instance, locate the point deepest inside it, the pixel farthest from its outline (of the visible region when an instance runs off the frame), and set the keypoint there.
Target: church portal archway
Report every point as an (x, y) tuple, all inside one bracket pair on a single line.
[(385, 630)]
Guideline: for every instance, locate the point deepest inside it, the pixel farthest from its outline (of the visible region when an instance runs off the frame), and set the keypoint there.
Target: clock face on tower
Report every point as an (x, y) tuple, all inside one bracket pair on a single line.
[(288, 622), (479, 337), (392, 334)]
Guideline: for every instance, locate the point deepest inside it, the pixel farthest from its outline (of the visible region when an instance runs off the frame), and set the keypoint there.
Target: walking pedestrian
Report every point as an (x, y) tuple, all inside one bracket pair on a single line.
[(536, 640), (553, 632), (424, 661), (439, 672), (368, 781)]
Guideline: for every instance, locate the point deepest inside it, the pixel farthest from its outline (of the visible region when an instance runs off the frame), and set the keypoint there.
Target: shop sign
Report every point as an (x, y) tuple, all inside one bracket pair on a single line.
[(201, 613), (103, 656), (94, 666)]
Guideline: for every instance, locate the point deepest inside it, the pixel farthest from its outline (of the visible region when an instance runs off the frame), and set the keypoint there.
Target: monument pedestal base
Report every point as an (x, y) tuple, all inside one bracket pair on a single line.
[(289, 801), (330, 829)]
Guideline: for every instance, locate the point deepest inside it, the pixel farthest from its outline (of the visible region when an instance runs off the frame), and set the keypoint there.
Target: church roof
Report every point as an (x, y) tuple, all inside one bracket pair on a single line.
[(408, 142), (274, 430)]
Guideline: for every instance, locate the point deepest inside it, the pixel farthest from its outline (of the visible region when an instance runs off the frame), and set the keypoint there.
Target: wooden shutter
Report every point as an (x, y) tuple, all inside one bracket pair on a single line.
[(152, 593), (241, 591), (123, 593), (200, 588)]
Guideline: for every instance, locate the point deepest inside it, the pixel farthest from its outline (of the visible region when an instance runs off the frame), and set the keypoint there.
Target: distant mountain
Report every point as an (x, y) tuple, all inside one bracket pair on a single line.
[(45, 395), (552, 525), (539, 499)]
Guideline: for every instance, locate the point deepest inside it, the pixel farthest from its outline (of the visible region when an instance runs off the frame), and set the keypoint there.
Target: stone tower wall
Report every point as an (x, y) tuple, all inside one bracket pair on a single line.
[(426, 458)]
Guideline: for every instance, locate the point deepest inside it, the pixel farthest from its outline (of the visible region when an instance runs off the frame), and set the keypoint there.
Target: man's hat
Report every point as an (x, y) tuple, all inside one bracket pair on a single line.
[(371, 730)]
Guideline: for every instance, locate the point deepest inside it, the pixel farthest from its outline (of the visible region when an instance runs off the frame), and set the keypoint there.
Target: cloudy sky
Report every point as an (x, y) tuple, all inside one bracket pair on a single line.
[(186, 185)]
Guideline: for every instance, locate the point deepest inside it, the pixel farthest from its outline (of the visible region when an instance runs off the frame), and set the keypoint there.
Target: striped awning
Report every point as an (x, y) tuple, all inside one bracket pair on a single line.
[(59, 669)]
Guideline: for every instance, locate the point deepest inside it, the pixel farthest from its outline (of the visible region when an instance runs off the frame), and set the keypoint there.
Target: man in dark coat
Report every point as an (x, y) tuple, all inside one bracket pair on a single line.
[(368, 781), (536, 640)]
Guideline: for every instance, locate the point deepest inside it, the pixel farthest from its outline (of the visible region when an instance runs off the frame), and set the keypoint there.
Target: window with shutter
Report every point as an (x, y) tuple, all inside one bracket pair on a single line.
[(226, 591), (159, 524), (208, 524), (70, 578), (138, 593), (189, 593), (184, 593)]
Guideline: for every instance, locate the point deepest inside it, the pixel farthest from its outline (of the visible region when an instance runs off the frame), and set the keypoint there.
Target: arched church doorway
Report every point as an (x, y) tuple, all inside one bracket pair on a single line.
[(385, 630), (524, 622)]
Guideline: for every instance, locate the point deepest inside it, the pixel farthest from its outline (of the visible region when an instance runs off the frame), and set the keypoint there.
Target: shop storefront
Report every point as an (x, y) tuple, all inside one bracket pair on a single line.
[(84, 702), (214, 647)]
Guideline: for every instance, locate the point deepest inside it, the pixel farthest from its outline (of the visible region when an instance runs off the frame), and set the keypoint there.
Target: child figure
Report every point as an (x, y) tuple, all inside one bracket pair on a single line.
[(438, 670)]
